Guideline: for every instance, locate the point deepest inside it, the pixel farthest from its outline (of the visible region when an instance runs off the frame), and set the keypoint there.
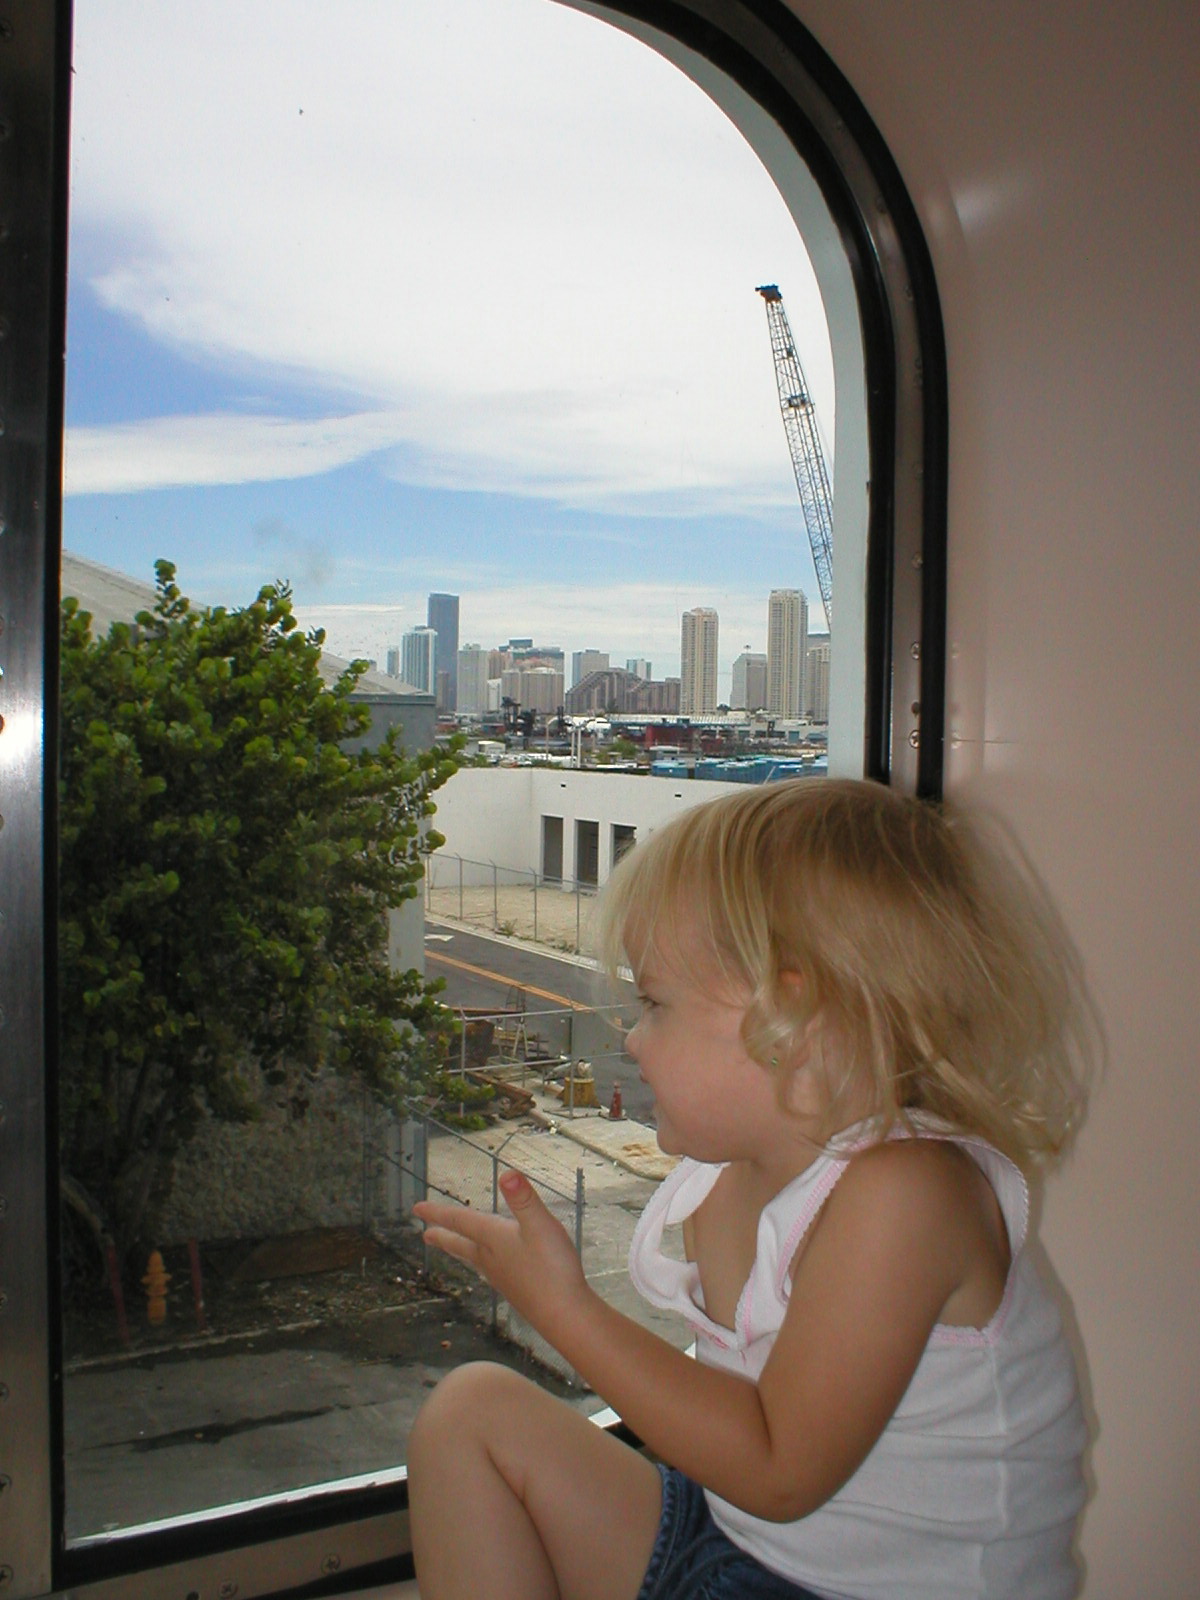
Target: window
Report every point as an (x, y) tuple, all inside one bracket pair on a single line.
[(826, 159)]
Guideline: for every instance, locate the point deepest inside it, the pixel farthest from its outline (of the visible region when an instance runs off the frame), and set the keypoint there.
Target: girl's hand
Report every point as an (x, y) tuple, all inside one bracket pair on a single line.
[(528, 1257)]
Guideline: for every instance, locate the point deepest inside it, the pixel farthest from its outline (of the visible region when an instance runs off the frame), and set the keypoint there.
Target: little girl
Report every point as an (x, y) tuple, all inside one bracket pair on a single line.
[(859, 1026)]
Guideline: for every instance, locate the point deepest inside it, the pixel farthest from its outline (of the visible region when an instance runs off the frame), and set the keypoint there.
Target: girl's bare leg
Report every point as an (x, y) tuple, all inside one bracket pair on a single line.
[(514, 1496)]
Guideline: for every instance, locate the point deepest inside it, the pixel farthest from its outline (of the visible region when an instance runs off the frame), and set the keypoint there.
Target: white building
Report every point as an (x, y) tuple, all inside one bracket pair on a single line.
[(787, 645), (817, 680), (698, 662), (585, 661), (749, 691), (418, 658), (533, 688), (562, 824), (472, 679)]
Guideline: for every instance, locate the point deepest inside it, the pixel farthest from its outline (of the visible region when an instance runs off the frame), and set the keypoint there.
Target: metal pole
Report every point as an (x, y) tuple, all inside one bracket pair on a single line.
[(495, 1208), (579, 1212), (578, 897), (495, 897), (535, 890), (366, 1104), (460, 890), (462, 1047)]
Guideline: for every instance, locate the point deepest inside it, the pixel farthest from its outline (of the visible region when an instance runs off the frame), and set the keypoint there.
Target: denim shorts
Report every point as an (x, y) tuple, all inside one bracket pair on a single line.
[(693, 1560)]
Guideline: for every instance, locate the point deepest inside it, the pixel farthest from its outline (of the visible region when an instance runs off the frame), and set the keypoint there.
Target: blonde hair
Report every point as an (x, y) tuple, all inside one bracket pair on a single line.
[(920, 941)]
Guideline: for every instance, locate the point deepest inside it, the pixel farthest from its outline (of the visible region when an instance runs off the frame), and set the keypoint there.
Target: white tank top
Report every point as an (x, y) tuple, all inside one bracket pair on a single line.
[(973, 1490)]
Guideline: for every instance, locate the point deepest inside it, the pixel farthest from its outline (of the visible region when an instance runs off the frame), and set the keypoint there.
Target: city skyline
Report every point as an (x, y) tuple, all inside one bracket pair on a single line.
[(739, 685)]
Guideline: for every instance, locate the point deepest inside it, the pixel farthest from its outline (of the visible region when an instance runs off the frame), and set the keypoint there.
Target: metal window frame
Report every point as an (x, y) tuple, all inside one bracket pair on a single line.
[(355, 1532)]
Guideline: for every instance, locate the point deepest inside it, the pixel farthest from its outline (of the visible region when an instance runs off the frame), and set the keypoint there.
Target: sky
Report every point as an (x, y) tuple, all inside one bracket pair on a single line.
[(458, 297)]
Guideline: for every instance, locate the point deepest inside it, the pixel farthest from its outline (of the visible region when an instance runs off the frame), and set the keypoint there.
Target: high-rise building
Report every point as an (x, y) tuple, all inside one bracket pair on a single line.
[(749, 681), (418, 650), (393, 661), (585, 661), (471, 696), (541, 689), (698, 662), (787, 645), (533, 688), (442, 617), (640, 668), (817, 694)]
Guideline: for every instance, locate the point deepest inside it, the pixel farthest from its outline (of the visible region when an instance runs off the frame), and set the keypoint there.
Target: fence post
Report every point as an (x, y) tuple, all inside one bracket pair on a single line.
[(495, 1209), (365, 1156)]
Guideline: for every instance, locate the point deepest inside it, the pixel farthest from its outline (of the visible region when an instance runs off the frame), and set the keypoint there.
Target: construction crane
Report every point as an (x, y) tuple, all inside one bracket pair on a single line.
[(804, 443)]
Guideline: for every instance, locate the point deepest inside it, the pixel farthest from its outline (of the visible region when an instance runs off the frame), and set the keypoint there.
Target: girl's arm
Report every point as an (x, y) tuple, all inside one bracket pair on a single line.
[(879, 1265)]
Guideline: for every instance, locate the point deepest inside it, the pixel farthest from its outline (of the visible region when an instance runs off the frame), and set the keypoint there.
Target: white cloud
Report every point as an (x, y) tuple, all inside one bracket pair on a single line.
[(125, 457), (520, 244)]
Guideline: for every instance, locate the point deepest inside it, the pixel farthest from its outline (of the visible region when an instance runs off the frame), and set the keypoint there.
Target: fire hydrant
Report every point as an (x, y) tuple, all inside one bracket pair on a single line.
[(615, 1111), (155, 1282)]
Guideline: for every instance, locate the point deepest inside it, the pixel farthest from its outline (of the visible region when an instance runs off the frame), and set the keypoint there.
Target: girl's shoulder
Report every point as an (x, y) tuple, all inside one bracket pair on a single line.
[(947, 1204)]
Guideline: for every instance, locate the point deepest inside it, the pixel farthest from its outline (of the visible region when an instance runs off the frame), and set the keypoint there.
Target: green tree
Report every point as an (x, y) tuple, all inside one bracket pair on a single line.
[(226, 866)]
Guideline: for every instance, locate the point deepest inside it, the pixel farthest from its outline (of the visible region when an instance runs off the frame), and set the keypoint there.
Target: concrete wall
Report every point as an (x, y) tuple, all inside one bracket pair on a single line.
[(494, 814)]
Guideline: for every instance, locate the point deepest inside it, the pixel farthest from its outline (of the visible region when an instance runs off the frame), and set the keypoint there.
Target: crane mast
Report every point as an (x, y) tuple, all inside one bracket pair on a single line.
[(804, 444)]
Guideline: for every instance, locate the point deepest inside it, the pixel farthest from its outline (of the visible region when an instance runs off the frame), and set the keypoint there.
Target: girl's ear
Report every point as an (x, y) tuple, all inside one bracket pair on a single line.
[(794, 982)]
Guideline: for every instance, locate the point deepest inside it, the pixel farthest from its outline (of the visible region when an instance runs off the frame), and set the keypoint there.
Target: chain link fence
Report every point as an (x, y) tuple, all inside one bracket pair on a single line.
[(521, 904), (442, 1163), (523, 1057)]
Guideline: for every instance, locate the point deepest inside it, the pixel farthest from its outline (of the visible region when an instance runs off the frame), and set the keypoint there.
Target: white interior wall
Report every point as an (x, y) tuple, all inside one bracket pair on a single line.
[(1051, 153)]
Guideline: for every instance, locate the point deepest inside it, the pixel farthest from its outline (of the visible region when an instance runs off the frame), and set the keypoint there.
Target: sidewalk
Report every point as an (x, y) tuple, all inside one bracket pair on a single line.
[(629, 1144)]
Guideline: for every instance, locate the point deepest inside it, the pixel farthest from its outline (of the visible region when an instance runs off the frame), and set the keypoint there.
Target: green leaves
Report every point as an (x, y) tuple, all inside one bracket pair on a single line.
[(226, 869)]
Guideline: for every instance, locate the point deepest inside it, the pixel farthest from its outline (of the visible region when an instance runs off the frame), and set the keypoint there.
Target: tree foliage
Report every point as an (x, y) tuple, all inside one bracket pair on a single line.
[(226, 866)]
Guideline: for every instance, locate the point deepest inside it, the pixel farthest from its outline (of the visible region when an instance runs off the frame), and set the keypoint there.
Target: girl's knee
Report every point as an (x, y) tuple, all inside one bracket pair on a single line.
[(468, 1401)]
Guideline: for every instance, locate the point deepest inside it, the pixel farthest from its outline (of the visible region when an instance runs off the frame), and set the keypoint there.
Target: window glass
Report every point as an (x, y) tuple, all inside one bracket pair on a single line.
[(441, 331)]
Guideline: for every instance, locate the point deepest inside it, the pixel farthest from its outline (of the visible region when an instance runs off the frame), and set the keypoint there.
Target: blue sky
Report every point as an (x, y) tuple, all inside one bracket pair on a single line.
[(459, 298)]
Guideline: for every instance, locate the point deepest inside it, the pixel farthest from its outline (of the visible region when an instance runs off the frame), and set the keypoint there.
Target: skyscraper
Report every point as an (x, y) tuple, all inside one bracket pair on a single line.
[(817, 685), (472, 679), (698, 662), (442, 617), (417, 655), (749, 681), (787, 646), (585, 661)]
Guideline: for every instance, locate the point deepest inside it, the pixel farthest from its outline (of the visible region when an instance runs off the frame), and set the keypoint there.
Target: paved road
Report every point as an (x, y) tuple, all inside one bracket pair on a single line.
[(482, 972)]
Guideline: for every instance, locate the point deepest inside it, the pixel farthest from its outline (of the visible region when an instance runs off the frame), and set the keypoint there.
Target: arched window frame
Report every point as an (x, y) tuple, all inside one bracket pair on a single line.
[(796, 109)]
